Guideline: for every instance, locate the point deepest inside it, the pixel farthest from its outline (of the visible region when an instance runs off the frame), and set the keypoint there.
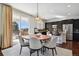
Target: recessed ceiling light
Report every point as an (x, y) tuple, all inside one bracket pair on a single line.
[(68, 5)]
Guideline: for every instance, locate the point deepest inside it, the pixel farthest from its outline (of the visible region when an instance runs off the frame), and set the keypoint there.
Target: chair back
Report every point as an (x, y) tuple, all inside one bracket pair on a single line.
[(52, 41), (50, 35), (21, 40), (35, 43)]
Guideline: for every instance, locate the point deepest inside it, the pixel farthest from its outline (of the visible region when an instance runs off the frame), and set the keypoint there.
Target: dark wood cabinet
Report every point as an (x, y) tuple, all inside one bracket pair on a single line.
[(76, 36), (76, 30)]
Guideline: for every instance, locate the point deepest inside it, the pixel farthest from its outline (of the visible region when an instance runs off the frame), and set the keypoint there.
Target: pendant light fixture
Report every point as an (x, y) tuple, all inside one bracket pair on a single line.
[(37, 17)]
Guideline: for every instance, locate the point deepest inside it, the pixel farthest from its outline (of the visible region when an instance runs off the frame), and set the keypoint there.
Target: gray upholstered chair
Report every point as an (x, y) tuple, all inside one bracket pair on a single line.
[(51, 44), (22, 43), (35, 45)]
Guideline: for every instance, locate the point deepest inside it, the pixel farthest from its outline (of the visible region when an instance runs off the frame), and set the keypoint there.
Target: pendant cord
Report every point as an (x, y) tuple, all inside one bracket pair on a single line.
[(37, 9)]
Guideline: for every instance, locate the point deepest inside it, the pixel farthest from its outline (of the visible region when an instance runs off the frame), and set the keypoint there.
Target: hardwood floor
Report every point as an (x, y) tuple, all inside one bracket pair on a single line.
[(72, 45), (67, 45), (75, 48)]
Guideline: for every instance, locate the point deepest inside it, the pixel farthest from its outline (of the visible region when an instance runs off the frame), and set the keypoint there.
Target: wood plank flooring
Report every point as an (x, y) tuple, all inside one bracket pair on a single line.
[(73, 45)]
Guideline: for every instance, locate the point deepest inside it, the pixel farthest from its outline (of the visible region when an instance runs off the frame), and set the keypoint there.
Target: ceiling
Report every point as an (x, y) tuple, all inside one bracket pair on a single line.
[(49, 11)]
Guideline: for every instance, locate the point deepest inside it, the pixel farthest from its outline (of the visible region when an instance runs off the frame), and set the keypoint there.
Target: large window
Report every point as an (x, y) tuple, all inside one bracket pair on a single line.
[(20, 24)]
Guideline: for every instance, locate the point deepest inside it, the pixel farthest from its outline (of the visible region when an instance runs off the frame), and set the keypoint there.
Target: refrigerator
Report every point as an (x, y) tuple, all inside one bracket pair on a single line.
[(68, 28)]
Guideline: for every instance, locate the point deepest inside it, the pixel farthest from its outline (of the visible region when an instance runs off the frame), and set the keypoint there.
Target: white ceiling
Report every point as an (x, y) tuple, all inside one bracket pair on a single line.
[(50, 10)]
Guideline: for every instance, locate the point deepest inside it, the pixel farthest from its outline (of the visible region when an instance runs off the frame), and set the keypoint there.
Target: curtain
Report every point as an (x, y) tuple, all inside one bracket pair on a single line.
[(0, 26), (6, 26)]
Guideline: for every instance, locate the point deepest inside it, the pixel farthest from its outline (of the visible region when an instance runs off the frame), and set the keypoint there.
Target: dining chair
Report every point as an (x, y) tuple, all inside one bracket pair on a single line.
[(35, 45), (22, 43), (43, 42), (51, 44)]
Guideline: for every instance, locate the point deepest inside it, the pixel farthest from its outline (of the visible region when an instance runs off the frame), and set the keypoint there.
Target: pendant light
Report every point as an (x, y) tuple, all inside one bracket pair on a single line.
[(37, 17)]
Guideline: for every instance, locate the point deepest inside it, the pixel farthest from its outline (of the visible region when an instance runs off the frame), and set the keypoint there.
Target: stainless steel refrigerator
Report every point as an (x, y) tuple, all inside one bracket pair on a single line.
[(69, 31)]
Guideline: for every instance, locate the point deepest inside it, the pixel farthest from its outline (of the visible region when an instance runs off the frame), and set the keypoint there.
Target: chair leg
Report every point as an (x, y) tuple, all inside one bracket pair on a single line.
[(55, 51), (30, 53), (52, 52), (37, 52), (45, 49), (41, 50), (20, 50)]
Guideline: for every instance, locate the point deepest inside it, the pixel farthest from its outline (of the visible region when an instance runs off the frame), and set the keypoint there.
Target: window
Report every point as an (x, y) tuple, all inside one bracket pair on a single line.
[(20, 24)]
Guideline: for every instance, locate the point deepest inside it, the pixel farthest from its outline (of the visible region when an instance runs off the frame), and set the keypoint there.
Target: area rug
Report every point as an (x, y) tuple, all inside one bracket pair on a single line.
[(15, 49)]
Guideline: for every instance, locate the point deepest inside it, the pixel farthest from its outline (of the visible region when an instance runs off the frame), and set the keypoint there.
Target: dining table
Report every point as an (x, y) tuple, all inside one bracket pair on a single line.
[(39, 37)]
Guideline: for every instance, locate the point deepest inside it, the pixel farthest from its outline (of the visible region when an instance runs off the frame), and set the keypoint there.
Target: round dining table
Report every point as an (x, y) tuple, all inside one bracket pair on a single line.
[(38, 37)]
